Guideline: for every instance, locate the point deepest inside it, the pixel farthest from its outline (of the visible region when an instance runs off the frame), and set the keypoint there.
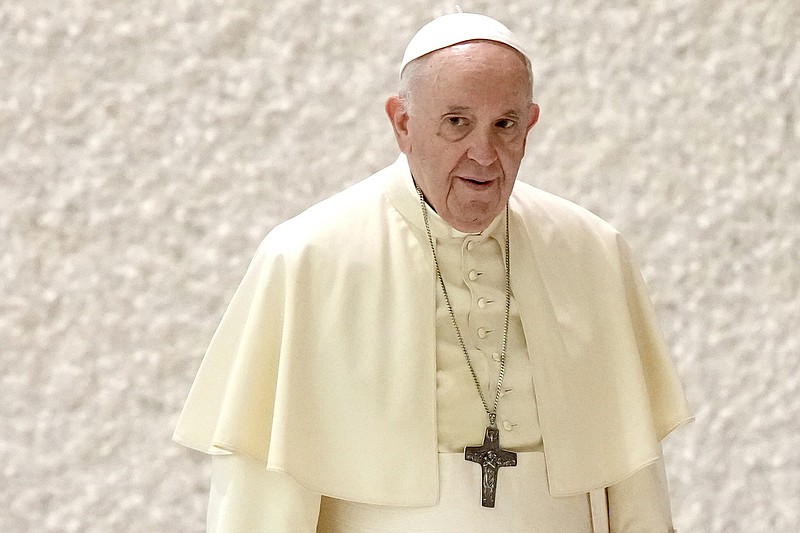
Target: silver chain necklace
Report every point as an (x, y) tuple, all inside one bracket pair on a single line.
[(489, 455)]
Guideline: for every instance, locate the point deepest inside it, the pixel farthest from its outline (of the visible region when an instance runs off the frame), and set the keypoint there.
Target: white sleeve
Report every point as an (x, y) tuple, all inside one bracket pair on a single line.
[(247, 498), (640, 504)]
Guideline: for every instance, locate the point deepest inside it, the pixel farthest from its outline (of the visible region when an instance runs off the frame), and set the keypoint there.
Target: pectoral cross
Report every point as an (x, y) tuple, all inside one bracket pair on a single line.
[(491, 457)]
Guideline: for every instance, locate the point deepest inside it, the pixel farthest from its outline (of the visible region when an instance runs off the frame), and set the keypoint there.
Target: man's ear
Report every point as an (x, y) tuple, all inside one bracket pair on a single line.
[(534, 118), (398, 116)]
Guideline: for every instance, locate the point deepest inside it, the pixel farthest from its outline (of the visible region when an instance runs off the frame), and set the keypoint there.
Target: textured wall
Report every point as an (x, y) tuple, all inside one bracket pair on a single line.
[(146, 147)]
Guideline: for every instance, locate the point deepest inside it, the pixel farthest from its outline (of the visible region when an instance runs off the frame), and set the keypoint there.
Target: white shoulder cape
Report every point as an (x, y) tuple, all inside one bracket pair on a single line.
[(323, 366)]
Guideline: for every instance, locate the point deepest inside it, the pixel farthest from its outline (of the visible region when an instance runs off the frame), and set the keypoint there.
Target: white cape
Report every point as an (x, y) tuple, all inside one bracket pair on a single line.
[(323, 366)]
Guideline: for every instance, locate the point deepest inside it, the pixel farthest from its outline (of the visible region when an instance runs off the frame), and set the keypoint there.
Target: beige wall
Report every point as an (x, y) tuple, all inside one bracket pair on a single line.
[(146, 147)]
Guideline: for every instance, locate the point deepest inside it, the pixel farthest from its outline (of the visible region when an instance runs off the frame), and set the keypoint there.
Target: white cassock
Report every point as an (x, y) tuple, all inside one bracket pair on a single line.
[(336, 380)]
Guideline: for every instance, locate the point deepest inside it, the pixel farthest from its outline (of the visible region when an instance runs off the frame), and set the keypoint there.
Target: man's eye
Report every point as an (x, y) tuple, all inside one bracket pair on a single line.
[(505, 123), (457, 122)]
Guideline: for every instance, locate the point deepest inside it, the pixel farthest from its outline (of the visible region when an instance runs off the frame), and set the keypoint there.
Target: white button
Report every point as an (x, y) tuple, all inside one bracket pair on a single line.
[(481, 302), (473, 275), (470, 245), (508, 426), (483, 332), (496, 356)]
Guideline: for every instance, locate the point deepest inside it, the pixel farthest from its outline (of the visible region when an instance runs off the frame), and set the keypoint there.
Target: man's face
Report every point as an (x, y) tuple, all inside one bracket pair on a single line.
[(464, 134)]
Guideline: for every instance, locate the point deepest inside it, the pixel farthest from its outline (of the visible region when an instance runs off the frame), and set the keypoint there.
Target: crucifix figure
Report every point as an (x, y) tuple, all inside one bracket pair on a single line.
[(491, 457)]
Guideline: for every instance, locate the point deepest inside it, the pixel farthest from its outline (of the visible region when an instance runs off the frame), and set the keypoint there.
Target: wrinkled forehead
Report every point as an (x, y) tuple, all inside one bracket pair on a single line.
[(473, 75), (473, 63), (449, 30)]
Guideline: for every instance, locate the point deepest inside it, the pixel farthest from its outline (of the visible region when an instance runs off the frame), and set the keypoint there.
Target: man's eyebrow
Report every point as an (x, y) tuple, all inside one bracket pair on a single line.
[(456, 109), (463, 109)]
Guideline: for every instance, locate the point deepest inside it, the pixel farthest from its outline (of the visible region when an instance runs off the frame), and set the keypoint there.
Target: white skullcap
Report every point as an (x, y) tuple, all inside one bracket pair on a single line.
[(448, 30)]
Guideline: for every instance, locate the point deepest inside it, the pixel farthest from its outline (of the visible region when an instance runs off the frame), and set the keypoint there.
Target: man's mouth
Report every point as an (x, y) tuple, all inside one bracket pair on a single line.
[(477, 182)]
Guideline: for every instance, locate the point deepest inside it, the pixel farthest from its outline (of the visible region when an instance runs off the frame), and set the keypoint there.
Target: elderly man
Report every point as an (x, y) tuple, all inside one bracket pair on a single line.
[(439, 348)]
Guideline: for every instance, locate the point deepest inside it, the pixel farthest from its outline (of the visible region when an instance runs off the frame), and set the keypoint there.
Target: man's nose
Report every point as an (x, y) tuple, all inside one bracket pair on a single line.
[(481, 148)]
